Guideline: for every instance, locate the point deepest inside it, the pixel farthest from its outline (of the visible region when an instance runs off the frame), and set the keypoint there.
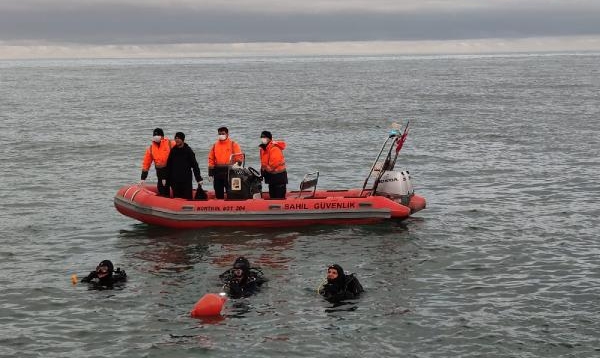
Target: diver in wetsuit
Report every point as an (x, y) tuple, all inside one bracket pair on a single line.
[(340, 286), (105, 275), (242, 280)]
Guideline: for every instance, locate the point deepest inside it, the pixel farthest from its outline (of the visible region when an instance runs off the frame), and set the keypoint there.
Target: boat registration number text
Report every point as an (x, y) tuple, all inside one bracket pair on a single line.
[(287, 206)]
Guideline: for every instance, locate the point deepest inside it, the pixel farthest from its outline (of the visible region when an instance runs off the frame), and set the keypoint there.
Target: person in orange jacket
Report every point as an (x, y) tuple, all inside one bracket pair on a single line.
[(158, 152), (220, 159), (272, 165)]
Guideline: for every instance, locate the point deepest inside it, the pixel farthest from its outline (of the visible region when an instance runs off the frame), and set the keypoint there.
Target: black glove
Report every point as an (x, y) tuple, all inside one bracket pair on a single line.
[(144, 174), (89, 277)]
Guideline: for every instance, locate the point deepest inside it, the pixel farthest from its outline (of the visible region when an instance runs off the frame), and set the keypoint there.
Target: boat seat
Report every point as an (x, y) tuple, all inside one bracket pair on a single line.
[(309, 181)]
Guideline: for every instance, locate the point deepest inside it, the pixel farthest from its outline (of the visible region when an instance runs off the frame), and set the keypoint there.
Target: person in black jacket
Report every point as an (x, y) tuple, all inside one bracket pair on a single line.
[(180, 165), (340, 286), (105, 275), (242, 280)]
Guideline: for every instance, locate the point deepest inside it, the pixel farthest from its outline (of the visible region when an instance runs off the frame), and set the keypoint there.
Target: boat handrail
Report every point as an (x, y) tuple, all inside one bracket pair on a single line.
[(393, 136), (242, 154), (389, 162)]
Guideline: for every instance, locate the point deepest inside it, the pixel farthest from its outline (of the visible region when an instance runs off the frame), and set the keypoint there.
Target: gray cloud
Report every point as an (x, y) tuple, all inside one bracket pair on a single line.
[(137, 23)]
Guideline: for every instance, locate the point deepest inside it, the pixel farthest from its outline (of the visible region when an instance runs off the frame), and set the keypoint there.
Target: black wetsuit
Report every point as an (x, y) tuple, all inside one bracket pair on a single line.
[(108, 281), (246, 286), (344, 287)]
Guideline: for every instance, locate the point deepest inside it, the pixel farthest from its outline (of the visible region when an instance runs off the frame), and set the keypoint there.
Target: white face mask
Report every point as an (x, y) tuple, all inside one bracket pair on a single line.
[(222, 136), (264, 140), (156, 138)]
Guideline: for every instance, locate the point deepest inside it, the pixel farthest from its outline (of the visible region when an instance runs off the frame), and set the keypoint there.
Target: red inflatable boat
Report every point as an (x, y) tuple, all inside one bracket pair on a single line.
[(390, 197)]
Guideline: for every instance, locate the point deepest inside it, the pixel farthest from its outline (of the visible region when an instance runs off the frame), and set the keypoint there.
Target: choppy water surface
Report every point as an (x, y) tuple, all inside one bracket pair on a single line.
[(504, 261)]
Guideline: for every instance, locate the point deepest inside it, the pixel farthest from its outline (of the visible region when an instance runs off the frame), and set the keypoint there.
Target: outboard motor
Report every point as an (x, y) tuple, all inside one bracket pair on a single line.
[(396, 186), (244, 183)]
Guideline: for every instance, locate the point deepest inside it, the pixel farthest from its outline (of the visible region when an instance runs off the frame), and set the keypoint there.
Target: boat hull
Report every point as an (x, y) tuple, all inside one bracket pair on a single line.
[(325, 207)]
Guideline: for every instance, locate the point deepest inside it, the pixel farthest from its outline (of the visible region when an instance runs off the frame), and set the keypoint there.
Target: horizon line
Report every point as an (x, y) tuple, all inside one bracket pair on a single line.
[(491, 46)]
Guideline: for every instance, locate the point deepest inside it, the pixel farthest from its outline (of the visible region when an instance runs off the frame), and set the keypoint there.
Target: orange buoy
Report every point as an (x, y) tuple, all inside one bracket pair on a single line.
[(210, 304)]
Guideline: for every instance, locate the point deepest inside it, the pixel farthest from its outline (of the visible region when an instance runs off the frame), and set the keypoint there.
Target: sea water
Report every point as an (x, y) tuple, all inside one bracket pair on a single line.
[(504, 262)]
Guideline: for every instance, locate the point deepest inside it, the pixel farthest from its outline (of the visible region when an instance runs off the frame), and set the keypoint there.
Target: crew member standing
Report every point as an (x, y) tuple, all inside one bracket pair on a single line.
[(272, 165), (180, 165), (158, 152), (220, 159)]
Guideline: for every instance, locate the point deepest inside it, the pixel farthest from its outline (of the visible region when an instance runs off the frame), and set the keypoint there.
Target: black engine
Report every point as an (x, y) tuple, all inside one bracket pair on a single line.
[(244, 183)]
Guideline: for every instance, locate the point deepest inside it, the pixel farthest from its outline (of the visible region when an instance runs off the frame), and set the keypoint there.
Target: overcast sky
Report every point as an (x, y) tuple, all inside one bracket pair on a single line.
[(30, 27)]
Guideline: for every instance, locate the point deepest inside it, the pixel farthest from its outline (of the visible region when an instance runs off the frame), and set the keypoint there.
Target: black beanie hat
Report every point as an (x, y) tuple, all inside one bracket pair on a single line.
[(158, 131), (341, 276), (108, 264), (180, 135), (266, 134), (242, 263)]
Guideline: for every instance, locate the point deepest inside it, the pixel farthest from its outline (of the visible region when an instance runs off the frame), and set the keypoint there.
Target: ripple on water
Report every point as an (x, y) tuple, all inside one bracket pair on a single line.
[(502, 263)]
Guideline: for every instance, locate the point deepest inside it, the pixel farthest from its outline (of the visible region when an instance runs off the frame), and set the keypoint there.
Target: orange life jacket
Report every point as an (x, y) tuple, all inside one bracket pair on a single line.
[(221, 151), (271, 158), (158, 154)]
